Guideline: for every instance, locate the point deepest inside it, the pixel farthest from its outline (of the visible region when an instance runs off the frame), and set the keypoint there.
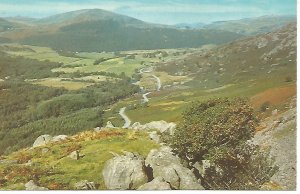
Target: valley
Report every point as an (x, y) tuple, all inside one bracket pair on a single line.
[(169, 79), (114, 93)]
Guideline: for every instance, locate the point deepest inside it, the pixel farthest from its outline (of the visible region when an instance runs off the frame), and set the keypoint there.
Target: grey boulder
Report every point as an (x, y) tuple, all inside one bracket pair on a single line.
[(168, 166), (85, 185), (59, 138), (161, 126), (154, 136), (137, 126), (156, 184), (109, 125), (31, 186), (75, 155), (125, 172), (42, 140)]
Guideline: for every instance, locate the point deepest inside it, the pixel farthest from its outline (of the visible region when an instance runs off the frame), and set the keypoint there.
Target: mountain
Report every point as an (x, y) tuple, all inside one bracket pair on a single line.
[(21, 20), (252, 26), (89, 15), (112, 35), (7, 25), (269, 56), (99, 30), (4, 25)]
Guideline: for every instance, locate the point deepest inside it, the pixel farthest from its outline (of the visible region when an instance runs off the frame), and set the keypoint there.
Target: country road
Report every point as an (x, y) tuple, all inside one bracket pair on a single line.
[(145, 99), (158, 82), (124, 116)]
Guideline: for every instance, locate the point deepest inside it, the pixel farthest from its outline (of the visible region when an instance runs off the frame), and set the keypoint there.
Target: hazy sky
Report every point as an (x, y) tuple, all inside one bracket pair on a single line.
[(157, 11)]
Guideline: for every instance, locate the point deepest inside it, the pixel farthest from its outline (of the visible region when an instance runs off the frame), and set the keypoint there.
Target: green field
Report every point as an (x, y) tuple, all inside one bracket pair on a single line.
[(84, 62), (169, 104)]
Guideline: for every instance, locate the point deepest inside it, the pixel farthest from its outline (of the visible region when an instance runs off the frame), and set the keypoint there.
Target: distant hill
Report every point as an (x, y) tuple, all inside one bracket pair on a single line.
[(110, 35), (269, 56), (6, 25), (88, 15), (252, 26), (21, 20), (99, 30)]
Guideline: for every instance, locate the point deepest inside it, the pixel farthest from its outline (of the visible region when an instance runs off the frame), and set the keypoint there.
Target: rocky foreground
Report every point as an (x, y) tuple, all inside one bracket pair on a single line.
[(134, 159), (280, 136)]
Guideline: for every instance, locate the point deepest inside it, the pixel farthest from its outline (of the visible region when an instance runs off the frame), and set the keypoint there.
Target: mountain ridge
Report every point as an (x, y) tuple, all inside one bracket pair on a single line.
[(89, 15), (99, 30), (245, 26)]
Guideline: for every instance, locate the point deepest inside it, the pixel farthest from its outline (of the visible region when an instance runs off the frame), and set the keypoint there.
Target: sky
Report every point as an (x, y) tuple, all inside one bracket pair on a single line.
[(155, 11)]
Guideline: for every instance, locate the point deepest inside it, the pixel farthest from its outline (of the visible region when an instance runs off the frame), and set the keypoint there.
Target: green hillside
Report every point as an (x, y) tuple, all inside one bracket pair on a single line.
[(86, 15), (253, 26), (6, 25), (110, 35), (200, 99), (96, 30)]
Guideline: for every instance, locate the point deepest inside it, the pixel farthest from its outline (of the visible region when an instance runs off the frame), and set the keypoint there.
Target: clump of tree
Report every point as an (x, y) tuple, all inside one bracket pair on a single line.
[(23, 68), (78, 74), (136, 77), (219, 132), (100, 60), (28, 111)]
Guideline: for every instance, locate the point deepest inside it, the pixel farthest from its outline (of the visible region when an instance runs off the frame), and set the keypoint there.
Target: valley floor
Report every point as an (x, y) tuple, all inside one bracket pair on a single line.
[(44, 91)]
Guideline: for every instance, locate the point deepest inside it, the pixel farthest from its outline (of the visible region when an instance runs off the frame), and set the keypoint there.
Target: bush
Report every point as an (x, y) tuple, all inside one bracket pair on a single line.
[(215, 123), (218, 131), (288, 79), (245, 168), (264, 107)]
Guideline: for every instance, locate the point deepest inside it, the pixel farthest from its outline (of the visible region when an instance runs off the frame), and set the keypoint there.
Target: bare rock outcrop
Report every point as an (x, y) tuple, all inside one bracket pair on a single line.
[(125, 172), (168, 166), (42, 140), (280, 136), (31, 186), (154, 136), (75, 155), (59, 138), (137, 126), (156, 184), (45, 139), (85, 185), (161, 126)]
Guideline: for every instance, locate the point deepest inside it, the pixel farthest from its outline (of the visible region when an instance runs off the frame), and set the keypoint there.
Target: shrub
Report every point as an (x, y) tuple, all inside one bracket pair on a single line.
[(245, 168), (216, 123), (265, 106), (288, 79), (218, 131)]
